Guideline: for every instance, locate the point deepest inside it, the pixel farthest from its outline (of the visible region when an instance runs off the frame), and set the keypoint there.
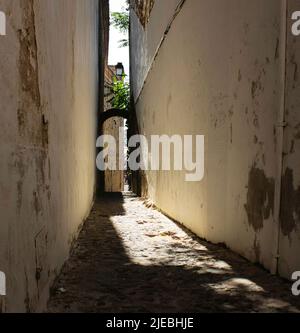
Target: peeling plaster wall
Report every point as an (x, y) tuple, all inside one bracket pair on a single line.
[(219, 72), (49, 101), (290, 206)]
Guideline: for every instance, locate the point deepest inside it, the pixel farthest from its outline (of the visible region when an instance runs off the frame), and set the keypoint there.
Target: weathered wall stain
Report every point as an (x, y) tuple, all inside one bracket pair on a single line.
[(289, 245), (28, 58), (143, 10), (32, 123), (240, 76), (45, 131), (44, 193), (21, 121), (21, 170), (294, 63), (257, 249), (264, 89), (290, 203), (277, 48), (256, 85), (29, 80), (260, 198), (37, 203), (27, 297), (33, 127), (41, 250)]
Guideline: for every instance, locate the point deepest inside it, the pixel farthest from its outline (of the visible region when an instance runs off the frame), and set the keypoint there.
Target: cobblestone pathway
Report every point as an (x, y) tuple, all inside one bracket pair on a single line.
[(130, 258)]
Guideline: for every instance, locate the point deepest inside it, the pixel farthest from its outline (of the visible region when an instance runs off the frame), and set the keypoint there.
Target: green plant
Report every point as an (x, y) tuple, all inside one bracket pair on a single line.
[(120, 20), (121, 91)]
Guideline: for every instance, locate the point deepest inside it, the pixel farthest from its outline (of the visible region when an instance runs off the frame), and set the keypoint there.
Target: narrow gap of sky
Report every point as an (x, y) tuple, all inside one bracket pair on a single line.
[(117, 54)]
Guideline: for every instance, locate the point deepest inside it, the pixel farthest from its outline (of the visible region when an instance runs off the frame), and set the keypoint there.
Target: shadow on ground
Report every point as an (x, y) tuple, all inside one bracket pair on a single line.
[(129, 258)]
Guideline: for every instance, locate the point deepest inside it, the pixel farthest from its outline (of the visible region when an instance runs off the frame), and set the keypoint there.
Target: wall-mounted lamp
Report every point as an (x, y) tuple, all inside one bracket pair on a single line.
[(119, 70)]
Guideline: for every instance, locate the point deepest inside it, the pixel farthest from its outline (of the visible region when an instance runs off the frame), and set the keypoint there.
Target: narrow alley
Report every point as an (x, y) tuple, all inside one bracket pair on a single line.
[(131, 258), (150, 155)]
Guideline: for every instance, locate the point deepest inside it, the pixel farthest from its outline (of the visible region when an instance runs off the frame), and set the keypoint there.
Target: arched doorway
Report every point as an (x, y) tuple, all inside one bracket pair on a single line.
[(113, 124)]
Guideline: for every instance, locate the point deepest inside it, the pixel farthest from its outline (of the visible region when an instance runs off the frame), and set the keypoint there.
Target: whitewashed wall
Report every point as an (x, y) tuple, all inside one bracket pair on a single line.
[(220, 72)]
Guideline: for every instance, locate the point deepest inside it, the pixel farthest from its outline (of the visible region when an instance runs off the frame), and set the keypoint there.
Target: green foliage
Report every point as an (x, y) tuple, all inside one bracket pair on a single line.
[(121, 90), (120, 20)]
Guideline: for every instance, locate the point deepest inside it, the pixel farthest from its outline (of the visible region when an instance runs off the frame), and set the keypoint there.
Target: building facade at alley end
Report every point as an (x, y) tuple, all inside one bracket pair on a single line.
[(228, 70)]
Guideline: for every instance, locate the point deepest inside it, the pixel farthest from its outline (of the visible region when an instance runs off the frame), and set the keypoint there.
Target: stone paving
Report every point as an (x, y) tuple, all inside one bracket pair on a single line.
[(130, 258)]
